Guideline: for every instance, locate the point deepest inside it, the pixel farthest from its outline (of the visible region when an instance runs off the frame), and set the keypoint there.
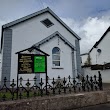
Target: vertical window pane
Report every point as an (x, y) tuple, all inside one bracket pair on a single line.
[(56, 63), (56, 56)]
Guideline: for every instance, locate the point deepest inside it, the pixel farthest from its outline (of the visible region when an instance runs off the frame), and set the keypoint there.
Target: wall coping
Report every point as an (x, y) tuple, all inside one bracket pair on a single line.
[(57, 102)]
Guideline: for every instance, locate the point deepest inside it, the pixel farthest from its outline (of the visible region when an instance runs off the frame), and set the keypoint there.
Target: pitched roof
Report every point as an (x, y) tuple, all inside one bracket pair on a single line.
[(97, 43), (32, 48), (51, 37), (39, 13)]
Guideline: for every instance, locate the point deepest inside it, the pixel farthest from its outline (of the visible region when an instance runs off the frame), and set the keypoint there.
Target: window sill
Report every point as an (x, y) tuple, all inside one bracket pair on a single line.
[(57, 68)]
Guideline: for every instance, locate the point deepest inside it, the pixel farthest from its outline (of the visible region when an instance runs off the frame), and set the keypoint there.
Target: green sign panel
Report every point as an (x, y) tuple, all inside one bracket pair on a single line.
[(39, 64)]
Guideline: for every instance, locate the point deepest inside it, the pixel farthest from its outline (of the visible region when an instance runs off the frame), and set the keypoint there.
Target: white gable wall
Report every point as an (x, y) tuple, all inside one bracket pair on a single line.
[(66, 59), (32, 31), (104, 56)]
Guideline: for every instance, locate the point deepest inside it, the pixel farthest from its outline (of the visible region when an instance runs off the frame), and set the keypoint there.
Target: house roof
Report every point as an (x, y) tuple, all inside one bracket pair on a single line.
[(83, 54), (37, 14), (51, 37), (97, 43)]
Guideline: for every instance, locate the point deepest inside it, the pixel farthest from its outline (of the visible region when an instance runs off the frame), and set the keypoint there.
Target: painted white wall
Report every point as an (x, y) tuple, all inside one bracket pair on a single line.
[(105, 74), (104, 56), (66, 59), (32, 31), (84, 58), (93, 55)]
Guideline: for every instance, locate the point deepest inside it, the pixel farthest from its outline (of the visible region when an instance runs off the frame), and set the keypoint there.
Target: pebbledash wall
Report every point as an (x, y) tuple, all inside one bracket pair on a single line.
[(32, 31)]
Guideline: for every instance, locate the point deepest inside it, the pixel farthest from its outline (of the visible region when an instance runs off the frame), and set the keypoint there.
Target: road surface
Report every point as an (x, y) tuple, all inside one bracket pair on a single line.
[(96, 107)]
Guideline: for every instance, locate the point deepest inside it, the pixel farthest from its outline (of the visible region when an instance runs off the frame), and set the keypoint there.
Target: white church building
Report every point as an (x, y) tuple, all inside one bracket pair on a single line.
[(46, 31)]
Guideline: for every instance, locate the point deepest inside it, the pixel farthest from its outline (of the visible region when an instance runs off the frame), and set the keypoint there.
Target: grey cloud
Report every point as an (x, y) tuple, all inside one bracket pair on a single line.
[(14, 9), (76, 9), (90, 30), (76, 13), (79, 9)]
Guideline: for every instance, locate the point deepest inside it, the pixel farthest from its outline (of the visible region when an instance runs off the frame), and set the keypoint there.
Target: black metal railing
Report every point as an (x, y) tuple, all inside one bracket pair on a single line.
[(32, 88)]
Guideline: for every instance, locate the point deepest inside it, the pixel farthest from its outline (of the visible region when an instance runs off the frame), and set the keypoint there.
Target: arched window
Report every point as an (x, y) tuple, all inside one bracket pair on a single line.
[(56, 56)]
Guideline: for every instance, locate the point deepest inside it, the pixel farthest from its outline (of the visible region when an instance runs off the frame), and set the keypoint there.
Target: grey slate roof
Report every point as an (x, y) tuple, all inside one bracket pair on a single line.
[(39, 13), (56, 34)]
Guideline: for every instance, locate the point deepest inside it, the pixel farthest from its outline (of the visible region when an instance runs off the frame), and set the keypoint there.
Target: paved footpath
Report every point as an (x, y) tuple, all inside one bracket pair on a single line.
[(96, 107), (100, 106)]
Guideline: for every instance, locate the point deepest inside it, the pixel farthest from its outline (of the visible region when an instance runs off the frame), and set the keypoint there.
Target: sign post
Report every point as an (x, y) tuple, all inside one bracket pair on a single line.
[(32, 63)]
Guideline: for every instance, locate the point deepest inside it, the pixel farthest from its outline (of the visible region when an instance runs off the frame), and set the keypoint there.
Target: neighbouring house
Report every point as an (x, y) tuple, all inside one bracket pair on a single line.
[(46, 31), (100, 58)]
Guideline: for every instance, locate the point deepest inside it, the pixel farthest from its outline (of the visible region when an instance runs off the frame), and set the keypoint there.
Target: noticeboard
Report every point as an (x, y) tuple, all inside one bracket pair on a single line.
[(30, 63)]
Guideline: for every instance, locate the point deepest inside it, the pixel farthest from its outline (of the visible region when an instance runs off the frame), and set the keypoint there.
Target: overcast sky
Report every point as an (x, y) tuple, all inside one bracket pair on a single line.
[(88, 18)]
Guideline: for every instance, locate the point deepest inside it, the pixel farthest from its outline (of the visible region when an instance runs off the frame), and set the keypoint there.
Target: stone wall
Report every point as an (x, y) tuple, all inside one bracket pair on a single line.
[(59, 102)]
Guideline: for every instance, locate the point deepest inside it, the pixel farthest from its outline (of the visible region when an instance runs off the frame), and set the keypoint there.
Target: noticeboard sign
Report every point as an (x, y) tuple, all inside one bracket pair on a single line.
[(25, 63), (30, 63)]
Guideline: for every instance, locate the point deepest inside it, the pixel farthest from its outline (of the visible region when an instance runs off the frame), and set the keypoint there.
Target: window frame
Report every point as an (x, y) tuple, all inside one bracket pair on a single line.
[(53, 60)]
